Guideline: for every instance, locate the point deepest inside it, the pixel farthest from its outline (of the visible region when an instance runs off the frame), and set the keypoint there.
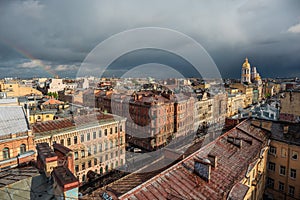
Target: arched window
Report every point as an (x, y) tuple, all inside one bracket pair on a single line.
[(22, 148), (5, 153)]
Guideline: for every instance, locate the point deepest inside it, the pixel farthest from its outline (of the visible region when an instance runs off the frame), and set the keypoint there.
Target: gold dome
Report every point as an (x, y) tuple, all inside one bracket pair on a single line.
[(246, 64)]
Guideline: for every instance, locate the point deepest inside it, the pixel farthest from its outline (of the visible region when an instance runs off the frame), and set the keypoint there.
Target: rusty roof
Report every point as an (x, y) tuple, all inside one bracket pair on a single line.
[(180, 181), (59, 125)]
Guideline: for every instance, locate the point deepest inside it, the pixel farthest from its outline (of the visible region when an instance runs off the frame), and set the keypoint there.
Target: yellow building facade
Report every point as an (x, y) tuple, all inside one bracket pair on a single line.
[(16, 90)]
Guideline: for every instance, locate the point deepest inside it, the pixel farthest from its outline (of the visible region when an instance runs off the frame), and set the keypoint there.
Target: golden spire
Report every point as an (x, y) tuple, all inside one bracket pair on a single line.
[(246, 64)]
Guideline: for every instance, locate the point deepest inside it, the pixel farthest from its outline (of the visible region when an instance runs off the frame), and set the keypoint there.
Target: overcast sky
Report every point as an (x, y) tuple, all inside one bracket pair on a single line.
[(43, 38)]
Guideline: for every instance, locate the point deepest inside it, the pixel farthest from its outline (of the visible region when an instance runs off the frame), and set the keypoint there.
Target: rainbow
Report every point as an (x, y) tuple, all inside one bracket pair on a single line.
[(26, 54)]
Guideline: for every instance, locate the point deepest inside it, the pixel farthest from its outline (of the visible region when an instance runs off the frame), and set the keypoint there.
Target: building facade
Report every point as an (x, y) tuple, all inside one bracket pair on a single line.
[(97, 140), (283, 181)]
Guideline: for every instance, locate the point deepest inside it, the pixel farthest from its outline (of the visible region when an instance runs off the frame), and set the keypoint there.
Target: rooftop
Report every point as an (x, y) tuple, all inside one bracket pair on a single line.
[(180, 180), (13, 175), (12, 120), (291, 135), (69, 124)]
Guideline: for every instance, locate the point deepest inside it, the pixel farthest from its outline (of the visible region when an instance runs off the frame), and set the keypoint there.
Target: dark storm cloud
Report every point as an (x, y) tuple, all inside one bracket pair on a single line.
[(59, 34)]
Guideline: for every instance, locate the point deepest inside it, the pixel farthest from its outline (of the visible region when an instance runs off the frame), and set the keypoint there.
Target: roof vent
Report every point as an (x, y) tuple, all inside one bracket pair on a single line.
[(202, 167)]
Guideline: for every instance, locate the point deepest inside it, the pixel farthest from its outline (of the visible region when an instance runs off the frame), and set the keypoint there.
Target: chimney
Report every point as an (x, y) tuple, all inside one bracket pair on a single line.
[(213, 160), (202, 167), (286, 129)]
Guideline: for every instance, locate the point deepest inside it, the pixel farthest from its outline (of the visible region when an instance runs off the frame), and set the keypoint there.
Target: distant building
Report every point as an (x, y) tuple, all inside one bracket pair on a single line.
[(14, 89), (56, 85), (290, 106), (97, 140), (246, 72)]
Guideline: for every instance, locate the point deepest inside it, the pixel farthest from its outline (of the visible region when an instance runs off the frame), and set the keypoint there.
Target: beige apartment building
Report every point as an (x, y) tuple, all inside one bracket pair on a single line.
[(203, 111), (283, 181), (244, 89), (97, 140), (14, 89)]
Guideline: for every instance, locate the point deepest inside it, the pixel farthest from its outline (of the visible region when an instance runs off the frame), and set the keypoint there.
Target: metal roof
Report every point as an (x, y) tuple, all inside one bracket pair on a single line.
[(12, 120)]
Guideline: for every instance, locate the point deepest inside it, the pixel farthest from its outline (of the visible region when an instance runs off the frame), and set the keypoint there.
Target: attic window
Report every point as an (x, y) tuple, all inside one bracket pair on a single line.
[(294, 155)]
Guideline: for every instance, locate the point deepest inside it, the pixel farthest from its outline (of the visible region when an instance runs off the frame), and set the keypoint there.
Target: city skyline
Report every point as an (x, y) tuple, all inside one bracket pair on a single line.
[(38, 39)]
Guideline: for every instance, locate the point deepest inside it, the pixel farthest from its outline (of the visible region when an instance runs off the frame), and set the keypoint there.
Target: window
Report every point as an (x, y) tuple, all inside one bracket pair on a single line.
[(89, 163), (88, 137), (283, 152), (89, 150), (47, 116), (83, 166), (100, 147), (271, 166), (105, 132), (22, 148), (291, 190), (82, 153), (111, 130), (94, 135), (294, 155), (117, 153), (76, 168), (272, 150), (101, 159), (111, 144), (281, 186), (116, 129), (100, 133), (69, 141), (76, 155), (5, 153), (282, 170), (75, 139), (293, 173), (106, 157), (106, 145), (95, 149), (62, 142), (270, 182), (83, 178), (121, 128), (95, 161), (111, 155), (121, 140), (82, 138)]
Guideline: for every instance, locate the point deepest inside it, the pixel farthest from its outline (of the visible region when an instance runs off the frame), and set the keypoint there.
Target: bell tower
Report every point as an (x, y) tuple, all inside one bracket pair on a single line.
[(246, 72)]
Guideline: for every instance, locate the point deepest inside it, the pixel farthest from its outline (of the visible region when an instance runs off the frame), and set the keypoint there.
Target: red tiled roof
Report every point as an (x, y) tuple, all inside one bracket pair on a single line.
[(233, 161)]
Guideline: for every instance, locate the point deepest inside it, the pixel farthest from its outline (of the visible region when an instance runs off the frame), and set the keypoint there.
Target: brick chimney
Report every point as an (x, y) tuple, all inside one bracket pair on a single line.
[(202, 167), (213, 160)]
